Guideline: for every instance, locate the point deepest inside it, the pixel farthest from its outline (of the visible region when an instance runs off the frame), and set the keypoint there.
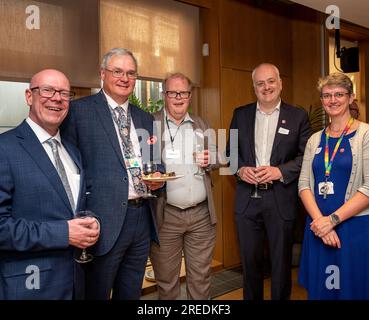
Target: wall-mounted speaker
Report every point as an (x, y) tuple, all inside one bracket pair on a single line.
[(350, 59)]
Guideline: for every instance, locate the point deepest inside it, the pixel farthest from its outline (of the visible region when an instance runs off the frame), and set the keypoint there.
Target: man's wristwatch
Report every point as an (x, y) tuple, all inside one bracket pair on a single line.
[(335, 219)]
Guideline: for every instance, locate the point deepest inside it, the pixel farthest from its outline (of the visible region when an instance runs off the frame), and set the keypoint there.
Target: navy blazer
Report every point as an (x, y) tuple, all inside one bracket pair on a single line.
[(34, 210), (90, 127), (287, 154)]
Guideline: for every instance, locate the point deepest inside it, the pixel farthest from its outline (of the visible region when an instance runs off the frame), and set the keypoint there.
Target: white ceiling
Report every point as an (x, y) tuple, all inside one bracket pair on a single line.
[(355, 11)]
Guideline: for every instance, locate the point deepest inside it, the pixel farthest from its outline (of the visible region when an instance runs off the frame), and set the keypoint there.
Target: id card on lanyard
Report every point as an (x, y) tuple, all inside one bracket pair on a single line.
[(327, 187)]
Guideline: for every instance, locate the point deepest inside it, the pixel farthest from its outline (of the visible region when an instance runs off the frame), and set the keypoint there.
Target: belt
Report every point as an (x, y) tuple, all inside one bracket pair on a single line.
[(198, 204), (265, 186), (136, 203)]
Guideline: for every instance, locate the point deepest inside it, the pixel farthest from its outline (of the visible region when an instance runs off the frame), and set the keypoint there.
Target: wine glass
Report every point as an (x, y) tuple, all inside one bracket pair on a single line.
[(199, 148), (84, 256), (255, 194), (149, 167)]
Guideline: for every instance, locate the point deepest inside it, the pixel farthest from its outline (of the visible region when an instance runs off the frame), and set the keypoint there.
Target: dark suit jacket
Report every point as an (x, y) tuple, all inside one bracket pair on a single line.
[(287, 154), (90, 127), (34, 210), (161, 201)]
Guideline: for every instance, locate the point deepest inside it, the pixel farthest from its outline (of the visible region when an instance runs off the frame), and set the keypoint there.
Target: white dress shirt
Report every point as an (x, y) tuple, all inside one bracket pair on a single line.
[(190, 190), (265, 130), (132, 194), (71, 168)]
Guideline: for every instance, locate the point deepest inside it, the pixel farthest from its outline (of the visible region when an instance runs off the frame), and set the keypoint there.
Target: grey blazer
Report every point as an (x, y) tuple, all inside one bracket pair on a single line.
[(162, 197)]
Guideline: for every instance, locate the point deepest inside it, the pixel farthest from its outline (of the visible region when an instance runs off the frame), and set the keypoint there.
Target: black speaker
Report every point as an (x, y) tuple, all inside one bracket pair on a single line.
[(350, 59)]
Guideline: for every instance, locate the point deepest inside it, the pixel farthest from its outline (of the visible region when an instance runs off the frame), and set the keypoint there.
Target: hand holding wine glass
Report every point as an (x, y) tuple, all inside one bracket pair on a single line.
[(149, 168), (85, 257)]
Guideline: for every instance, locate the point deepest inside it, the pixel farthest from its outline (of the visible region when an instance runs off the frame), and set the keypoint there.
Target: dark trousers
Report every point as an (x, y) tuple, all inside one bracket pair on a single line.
[(261, 219), (122, 269)]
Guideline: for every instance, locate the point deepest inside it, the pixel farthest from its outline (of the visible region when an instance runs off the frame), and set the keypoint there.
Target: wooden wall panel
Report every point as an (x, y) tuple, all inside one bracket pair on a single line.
[(253, 34), (236, 91), (210, 102), (364, 70), (307, 61)]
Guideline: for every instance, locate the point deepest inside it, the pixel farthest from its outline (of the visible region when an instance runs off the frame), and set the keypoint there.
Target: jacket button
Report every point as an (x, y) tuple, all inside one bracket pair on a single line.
[(125, 179), (124, 204)]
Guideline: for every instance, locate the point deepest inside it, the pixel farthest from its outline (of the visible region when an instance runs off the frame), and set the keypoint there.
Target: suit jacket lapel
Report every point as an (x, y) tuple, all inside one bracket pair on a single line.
[(102, 109), (160, 118), (137, 121), (283, 115), (250, 123), (197, 125), (78, 163), (33, 147)]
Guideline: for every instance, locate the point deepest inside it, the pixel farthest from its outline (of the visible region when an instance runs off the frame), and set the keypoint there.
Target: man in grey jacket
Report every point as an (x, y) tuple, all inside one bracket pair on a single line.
[(185, 223)]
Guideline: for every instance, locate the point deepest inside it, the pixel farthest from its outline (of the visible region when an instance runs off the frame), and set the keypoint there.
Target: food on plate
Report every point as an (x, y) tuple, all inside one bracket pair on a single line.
[(162, 175)]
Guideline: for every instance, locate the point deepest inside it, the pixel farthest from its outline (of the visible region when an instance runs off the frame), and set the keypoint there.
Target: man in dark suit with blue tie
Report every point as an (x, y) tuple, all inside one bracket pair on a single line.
[(271, 141), (113, 137), (40, 191)]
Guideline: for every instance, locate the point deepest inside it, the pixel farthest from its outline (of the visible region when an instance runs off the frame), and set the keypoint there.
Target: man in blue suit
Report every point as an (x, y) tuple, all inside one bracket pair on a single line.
[(113, 137), (38, 235)]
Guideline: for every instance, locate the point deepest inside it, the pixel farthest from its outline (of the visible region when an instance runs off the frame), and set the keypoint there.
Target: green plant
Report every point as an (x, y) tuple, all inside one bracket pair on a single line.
[(317, 118), (152, 106)]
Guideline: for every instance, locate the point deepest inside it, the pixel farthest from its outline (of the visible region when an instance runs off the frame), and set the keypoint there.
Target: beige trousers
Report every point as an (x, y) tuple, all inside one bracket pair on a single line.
[(189, 230)]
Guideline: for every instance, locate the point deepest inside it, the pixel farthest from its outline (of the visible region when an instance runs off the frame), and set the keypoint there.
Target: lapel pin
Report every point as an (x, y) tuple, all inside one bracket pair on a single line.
[(342, 150), (152, 140), (283, 121)]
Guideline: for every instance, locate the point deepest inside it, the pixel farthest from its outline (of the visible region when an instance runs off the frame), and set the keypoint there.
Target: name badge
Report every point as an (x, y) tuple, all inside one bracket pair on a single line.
[(173, 154), (133, 163), (326, 188), (283, 130)]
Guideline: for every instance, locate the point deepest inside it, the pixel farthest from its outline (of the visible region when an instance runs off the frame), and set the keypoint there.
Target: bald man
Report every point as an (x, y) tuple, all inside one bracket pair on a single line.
[(271, 141), (41, 189)]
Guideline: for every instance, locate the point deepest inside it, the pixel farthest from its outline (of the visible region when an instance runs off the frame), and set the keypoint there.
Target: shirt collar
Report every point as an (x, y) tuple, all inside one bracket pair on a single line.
[(277, 107), (113, 104), (187, 117), (41, 133)]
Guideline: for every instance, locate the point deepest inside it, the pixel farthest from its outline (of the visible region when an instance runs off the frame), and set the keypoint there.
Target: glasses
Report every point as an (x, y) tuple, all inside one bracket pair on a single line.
[(116, 73), (270, 82), (337, 95), (49, 92), (175, 94)]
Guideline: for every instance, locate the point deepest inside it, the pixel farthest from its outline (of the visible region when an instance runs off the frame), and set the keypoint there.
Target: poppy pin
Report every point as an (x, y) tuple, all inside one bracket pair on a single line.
[(152, 140)]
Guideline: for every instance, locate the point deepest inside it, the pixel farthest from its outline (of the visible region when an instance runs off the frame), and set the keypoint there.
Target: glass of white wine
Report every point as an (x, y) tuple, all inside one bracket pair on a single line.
[(199, 148), (84, 256)]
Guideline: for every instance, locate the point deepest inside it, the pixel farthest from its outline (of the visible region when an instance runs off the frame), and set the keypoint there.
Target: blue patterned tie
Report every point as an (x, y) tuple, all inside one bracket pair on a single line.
[(124, 125), (53, 143)]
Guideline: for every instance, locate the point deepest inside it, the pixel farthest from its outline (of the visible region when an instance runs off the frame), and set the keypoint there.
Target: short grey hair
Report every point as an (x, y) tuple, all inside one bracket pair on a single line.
[(117, 52), (262, 65), (177, 75)]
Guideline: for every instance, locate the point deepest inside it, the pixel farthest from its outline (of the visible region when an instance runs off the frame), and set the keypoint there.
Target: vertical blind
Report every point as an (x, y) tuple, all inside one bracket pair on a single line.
[(162, 34)]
